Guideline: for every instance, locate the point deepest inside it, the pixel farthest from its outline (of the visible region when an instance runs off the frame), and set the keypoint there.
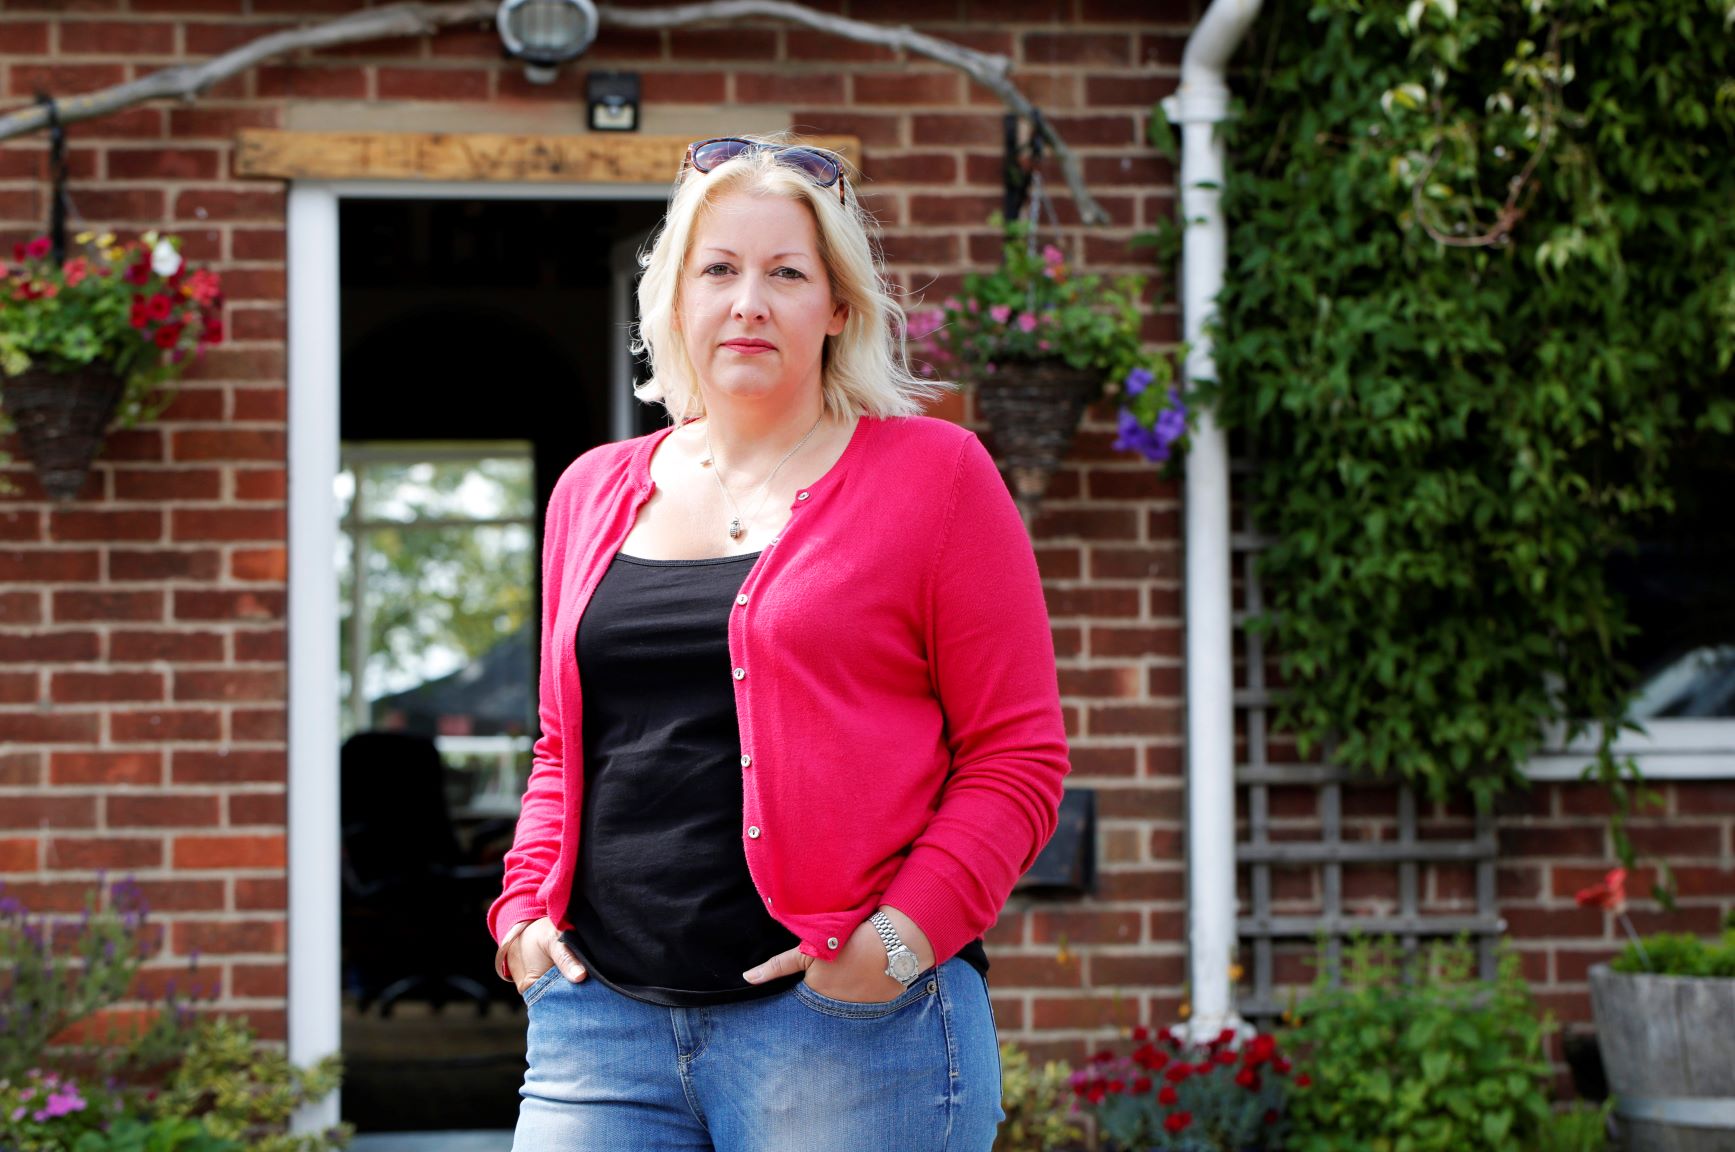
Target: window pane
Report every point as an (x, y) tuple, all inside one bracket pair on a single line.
[(487, 489)]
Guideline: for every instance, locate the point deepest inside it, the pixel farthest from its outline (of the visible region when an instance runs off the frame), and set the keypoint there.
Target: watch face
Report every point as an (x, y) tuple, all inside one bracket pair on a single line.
[(905, 965)]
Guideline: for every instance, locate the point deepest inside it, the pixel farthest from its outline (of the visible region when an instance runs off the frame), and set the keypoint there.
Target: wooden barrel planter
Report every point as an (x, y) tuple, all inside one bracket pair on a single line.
[(61, 418), (1668, 1047), (1033, 408)]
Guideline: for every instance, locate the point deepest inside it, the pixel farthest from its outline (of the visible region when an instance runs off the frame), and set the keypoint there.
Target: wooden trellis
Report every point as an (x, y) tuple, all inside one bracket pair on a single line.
[(1261, 927)]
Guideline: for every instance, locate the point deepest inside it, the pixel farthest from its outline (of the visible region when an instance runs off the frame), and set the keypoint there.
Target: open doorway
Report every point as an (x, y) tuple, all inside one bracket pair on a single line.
[(482, 348)]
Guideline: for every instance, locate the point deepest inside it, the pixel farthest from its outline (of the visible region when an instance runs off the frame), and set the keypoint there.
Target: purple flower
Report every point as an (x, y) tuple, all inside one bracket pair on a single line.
[(1137, 381)]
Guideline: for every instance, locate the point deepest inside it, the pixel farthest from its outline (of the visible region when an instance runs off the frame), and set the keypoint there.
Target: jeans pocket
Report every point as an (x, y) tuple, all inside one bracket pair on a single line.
[(926, 985), (543, 982)]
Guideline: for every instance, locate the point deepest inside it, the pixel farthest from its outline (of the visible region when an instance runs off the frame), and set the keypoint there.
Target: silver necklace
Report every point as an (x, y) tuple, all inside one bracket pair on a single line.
[(736, 528)]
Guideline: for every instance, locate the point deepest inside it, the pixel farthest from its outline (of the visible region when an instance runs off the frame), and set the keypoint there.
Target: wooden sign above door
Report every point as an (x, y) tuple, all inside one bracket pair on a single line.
[(488, 157)]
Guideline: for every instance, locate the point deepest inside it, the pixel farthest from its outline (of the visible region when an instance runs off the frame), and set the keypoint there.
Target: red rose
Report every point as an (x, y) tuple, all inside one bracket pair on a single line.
[(1141, 1084), (1248, 1078), (1168, 1097), (1177, 1122), (1260, 1049)]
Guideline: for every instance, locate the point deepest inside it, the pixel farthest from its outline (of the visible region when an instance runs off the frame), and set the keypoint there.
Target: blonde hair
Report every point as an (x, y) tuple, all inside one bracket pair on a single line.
[(865, 367)]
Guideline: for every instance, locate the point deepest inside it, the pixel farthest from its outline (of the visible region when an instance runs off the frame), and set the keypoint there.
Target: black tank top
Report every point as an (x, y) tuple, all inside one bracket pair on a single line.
[(663, 908)]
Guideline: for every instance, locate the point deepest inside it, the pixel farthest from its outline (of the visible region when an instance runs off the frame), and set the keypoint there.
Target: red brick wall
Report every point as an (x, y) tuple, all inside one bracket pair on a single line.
[(142, 631)]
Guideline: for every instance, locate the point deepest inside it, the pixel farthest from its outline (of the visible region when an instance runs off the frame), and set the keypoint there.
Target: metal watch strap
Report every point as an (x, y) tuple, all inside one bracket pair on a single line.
[(894, 946)]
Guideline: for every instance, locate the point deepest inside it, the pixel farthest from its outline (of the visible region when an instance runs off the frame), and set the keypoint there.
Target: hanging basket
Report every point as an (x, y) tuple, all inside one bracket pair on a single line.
[(61, 418), (1033, 408)]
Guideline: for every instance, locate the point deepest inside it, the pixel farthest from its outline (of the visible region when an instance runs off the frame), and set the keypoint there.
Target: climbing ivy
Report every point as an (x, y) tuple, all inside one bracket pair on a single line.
[(1480, 305)]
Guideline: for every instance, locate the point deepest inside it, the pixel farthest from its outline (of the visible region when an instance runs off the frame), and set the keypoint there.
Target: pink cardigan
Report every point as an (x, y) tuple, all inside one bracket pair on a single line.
[(901, 735)]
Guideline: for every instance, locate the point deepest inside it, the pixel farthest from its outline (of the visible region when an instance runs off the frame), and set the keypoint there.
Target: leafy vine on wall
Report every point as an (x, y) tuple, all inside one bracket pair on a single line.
[(1480, 306)]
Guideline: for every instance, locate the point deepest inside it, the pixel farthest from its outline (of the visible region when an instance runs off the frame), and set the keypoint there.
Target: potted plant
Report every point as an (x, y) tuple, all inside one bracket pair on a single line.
[(1663, 1010), (89, 342), (1040, 342)]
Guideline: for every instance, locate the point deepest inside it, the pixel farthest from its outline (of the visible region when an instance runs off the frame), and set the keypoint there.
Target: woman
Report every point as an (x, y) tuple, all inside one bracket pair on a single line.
[(800, 725)]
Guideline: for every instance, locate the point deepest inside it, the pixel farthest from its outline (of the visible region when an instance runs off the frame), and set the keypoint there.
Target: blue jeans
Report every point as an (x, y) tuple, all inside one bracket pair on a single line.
[(792, 1072)]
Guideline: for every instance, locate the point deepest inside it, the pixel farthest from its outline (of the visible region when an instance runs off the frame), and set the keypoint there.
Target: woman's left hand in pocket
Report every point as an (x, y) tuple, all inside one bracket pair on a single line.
[(858, 975)]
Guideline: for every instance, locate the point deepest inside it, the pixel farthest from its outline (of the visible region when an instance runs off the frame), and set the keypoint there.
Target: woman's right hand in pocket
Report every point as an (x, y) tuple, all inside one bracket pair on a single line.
[(537, 949)]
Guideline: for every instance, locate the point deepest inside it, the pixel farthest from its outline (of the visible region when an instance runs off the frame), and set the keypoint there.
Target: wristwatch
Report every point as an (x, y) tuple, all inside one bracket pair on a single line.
[(902, 964)]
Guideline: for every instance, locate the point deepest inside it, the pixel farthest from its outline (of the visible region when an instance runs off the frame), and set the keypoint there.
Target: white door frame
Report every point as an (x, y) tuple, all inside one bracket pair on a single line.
[(315, 991)]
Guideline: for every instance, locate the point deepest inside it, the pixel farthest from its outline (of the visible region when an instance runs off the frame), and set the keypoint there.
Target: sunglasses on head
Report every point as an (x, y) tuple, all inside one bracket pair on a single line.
[(818, 165)]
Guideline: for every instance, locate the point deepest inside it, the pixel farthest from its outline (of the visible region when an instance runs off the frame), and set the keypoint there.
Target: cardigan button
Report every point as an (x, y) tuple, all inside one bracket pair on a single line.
[(753, 832), (802, 495), (832, 943), (740, 673), (746, 760), (741, 599)]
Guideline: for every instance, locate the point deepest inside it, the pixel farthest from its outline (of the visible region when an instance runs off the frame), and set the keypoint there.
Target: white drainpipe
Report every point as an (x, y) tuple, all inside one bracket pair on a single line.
[(1198, 106)]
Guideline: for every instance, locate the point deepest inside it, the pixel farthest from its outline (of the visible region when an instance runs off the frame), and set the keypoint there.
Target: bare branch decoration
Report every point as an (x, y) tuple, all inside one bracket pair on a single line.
[(187, 81)]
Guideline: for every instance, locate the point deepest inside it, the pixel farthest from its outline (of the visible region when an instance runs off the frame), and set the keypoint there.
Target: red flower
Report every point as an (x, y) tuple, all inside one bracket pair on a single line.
[(1260, 1049), (212, 333), (139, 273), (1177, 1121), (1304, 1081), (1225, 1057), (1282, 1065), (1116, 1087), (38, 248), (159, 306), (1178, 1073), (1270, 1117), (1226, 1036), (1248, 1078), (1168, 1097), (1141, 1034), (1095, 1093), (1141, 1084), (1167, 1036), (18, 253), (1610, 895), (168, 335)]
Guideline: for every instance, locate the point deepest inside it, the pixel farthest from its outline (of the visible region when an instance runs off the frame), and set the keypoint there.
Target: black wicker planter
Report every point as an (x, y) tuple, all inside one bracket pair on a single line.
[(1033, 409), (61, 418)]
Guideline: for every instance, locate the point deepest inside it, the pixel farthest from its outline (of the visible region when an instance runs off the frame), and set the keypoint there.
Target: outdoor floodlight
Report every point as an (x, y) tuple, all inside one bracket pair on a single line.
[(546, 33)]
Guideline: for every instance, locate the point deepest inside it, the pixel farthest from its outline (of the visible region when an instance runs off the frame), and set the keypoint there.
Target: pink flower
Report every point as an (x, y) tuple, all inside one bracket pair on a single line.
[(38, 248), (1026, 322), (76, 271), (1001, 313), (1052, 256)]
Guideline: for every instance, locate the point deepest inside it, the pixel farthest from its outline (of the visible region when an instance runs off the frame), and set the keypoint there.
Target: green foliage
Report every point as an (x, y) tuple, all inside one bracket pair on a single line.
[(1679, 954), (243, 1091), (179, 1084), (1440, 1063), (160, 1135), (1581, 1128), (1035, 1102), (1036, 307), (1480, 305)]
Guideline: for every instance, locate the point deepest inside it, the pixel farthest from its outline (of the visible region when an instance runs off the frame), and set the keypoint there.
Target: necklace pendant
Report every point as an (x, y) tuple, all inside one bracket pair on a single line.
[(735, 529)]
